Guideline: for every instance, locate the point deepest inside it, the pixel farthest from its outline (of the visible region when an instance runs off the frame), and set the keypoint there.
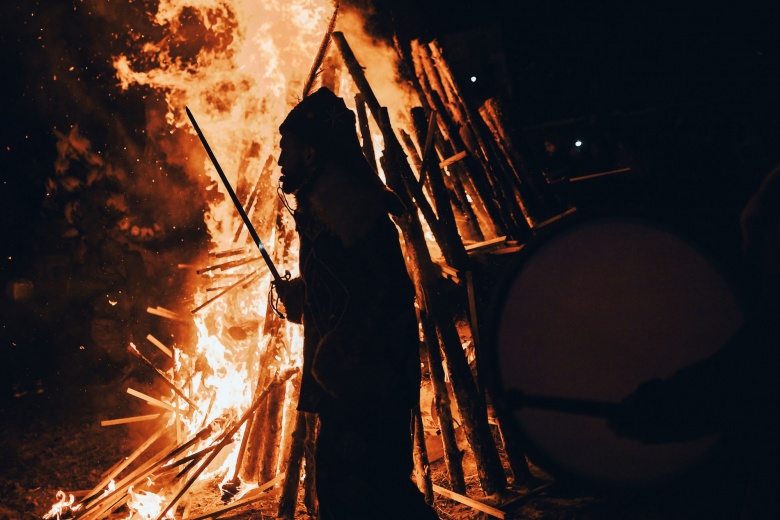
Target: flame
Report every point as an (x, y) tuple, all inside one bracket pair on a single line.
[(63, 507), (239, 66)]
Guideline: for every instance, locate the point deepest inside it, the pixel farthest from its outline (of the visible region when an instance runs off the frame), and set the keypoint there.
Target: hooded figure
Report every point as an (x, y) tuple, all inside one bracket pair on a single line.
[(354, 296)]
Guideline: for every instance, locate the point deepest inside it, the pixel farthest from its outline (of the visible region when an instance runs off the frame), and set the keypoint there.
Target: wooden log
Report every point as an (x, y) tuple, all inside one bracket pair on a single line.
[(422, 470), (226, 438), (290, 415), (468, 172), (473, 410), (430, 169), (151, 400), (134, 350), (479, 506), (411, 150), (516, 459), (407, 71), (365, 131), (230, 264), (243, 281), (165, 313), (533, 188), (289, 496), (230, 252), (272, 432), (250, 203), (128, 420), (454, 126), (250, 498), (453, 457), (310, 481), (126, 462), (406, 175), (94, 506), (159, 344), (472, 133)]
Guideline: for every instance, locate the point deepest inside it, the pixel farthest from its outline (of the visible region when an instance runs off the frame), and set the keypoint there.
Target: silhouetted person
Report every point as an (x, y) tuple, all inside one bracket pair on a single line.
[(361, 367), (736, 391)]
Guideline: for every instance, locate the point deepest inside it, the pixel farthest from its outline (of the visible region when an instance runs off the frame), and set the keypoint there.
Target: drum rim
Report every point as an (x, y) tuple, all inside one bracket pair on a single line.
[(490, 365)]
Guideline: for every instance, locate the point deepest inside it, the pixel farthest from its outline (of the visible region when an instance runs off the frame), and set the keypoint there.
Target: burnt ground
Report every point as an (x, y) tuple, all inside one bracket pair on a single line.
[(52, 440)]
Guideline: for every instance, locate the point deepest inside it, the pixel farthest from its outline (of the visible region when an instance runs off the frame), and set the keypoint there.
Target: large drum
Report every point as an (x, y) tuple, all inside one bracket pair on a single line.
[(586, 314)]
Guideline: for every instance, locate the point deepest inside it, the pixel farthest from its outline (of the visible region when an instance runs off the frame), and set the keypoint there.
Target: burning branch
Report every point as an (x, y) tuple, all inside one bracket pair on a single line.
[(479, 506), (315, 67), (165, 313), (128, 420), (151, 400), (125, 463), (229, 288), (159, 344), (134, 350), (229, 264), (227, 437)]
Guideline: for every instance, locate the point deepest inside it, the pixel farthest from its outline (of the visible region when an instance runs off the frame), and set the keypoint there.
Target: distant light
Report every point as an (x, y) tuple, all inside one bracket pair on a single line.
[(473, 79), (578, 143)]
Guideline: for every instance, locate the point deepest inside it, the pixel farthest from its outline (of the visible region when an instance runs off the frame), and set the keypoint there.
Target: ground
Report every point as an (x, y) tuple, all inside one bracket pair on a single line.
[(52, 440)]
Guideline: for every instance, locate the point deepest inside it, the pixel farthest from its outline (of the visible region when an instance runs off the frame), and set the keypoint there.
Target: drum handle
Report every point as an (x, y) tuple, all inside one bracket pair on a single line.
[(516, 399)]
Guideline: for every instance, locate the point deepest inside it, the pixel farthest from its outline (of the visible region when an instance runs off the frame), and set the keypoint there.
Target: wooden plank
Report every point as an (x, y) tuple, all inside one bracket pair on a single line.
[(126, 420), (479, 506), (455, 158)]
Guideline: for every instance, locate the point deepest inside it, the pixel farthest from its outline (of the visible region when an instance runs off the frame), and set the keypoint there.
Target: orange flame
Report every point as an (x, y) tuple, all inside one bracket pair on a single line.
[(239, 66)]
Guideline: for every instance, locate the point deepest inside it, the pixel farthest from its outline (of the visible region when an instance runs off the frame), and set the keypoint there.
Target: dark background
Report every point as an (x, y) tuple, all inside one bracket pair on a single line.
[(684, 94)]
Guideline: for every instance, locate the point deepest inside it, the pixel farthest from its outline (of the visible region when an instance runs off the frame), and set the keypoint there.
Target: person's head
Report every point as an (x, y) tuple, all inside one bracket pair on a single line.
[(318, 131)]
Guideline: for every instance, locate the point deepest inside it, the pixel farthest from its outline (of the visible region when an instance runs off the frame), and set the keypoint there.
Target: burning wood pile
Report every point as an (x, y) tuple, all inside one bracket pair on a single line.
[(227, 417)]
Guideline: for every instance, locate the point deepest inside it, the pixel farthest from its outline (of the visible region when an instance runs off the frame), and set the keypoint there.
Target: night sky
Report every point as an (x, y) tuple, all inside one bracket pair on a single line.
[(711, 68)]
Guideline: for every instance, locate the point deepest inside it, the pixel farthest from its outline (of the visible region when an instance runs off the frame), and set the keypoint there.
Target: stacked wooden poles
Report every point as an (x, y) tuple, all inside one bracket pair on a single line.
[(471, 404)]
